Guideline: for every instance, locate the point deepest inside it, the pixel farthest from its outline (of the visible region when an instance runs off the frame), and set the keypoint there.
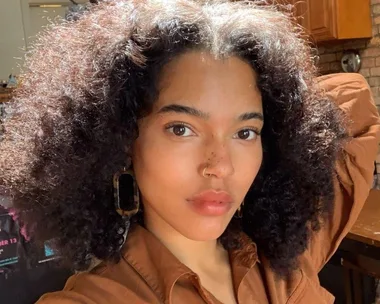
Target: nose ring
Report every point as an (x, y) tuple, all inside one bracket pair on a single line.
[(206, 175)]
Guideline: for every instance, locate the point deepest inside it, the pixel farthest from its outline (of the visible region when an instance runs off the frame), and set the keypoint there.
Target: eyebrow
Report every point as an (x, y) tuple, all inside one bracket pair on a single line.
[(198, 113), (251, 115), (185, 110)]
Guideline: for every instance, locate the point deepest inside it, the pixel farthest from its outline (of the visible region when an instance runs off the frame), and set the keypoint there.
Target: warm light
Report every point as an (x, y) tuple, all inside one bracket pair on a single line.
[(50, 5)]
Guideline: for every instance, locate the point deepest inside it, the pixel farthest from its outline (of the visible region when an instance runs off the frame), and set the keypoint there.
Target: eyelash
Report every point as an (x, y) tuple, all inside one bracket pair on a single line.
[(183, 125), (178, 124), (254, 130)]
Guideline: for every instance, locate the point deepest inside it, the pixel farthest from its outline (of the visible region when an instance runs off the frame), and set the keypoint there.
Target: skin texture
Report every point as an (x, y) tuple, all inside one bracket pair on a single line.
[(224, 90), (230, 149)]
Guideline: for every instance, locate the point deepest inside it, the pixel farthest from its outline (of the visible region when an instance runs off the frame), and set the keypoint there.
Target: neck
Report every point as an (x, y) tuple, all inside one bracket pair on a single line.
[(199, 256)]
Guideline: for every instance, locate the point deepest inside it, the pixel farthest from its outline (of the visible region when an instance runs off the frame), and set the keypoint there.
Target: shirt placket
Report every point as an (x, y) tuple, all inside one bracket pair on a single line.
[(206, 296)]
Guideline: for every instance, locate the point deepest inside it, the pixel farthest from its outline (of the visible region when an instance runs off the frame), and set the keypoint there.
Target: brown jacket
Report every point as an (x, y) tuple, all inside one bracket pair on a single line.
[(149, 273)]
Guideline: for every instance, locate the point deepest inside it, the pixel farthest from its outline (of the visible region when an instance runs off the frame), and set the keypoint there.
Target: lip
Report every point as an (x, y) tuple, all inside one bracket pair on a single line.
[(211, 203)]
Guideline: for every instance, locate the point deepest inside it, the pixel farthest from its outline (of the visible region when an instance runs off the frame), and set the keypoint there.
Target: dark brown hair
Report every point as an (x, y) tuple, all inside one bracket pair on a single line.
[(88, 82)]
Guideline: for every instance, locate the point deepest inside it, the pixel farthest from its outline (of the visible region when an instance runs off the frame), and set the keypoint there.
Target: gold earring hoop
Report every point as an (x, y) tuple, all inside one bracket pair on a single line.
[(126, 193), (239, 211)]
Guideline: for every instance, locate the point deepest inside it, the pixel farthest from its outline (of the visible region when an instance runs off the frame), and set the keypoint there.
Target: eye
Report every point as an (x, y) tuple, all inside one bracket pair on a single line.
[(246, 134), (180, 130)]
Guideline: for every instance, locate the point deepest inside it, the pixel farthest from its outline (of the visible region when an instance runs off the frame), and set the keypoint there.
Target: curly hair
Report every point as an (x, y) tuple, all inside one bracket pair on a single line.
[(88, 82)]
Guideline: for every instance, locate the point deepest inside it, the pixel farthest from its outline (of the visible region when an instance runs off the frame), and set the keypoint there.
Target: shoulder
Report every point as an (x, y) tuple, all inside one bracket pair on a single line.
[(64, 297), (115, 284)]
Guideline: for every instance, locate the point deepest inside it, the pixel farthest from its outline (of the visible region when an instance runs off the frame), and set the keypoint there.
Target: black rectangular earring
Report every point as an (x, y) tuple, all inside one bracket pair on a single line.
[(126, 193)]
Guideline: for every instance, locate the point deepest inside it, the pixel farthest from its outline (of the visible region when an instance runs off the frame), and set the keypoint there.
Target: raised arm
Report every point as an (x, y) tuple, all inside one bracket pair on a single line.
[(355, 166)]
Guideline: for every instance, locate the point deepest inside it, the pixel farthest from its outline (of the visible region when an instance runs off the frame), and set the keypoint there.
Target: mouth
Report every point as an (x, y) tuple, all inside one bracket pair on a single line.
[(211, 203)]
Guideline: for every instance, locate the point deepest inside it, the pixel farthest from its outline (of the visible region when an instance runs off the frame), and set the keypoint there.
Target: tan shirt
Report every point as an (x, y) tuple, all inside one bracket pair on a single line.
[(149, 273)]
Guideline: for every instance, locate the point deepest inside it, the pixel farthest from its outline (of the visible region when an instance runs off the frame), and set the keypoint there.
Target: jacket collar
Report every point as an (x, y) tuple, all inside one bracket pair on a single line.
[(153, 261), (160, 269)]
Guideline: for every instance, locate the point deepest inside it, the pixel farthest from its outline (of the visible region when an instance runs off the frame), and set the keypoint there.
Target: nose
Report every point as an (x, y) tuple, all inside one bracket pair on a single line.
[(218, 163)]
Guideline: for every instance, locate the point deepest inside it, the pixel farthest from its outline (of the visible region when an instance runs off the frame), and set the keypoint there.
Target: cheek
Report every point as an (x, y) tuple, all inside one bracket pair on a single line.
[(247, 165), (163, 168)]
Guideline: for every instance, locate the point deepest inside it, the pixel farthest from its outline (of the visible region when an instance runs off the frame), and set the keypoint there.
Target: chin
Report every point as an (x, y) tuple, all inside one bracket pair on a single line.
[(207, 229)]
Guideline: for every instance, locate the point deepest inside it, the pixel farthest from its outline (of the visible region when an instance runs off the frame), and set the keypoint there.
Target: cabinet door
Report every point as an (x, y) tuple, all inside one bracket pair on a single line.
[(328, 20), (320, 19), (301, 13)]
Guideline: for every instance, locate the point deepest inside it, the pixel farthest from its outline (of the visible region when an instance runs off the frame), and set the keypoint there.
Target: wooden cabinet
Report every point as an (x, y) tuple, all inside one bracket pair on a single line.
[(5, 95), (328, 20), (320, 19)]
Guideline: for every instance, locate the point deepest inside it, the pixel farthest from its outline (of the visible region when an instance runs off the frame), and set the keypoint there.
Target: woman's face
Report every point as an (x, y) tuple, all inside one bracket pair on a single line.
[(208, 115)]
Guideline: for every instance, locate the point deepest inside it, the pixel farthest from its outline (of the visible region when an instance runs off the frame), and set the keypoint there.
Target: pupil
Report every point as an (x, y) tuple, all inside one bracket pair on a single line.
[(179, 130), (244, 134)]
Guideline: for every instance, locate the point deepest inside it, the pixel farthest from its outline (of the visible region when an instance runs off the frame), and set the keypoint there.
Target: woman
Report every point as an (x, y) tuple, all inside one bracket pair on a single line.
[(231, 184)]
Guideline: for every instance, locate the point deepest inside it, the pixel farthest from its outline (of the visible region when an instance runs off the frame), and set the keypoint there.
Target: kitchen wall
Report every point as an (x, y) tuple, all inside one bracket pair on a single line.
[(369, 50), (40, 17), (19, 25), (12, 36)]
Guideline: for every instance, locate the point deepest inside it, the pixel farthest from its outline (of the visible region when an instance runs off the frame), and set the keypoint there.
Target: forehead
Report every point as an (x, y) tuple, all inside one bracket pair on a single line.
[(198, 79)]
